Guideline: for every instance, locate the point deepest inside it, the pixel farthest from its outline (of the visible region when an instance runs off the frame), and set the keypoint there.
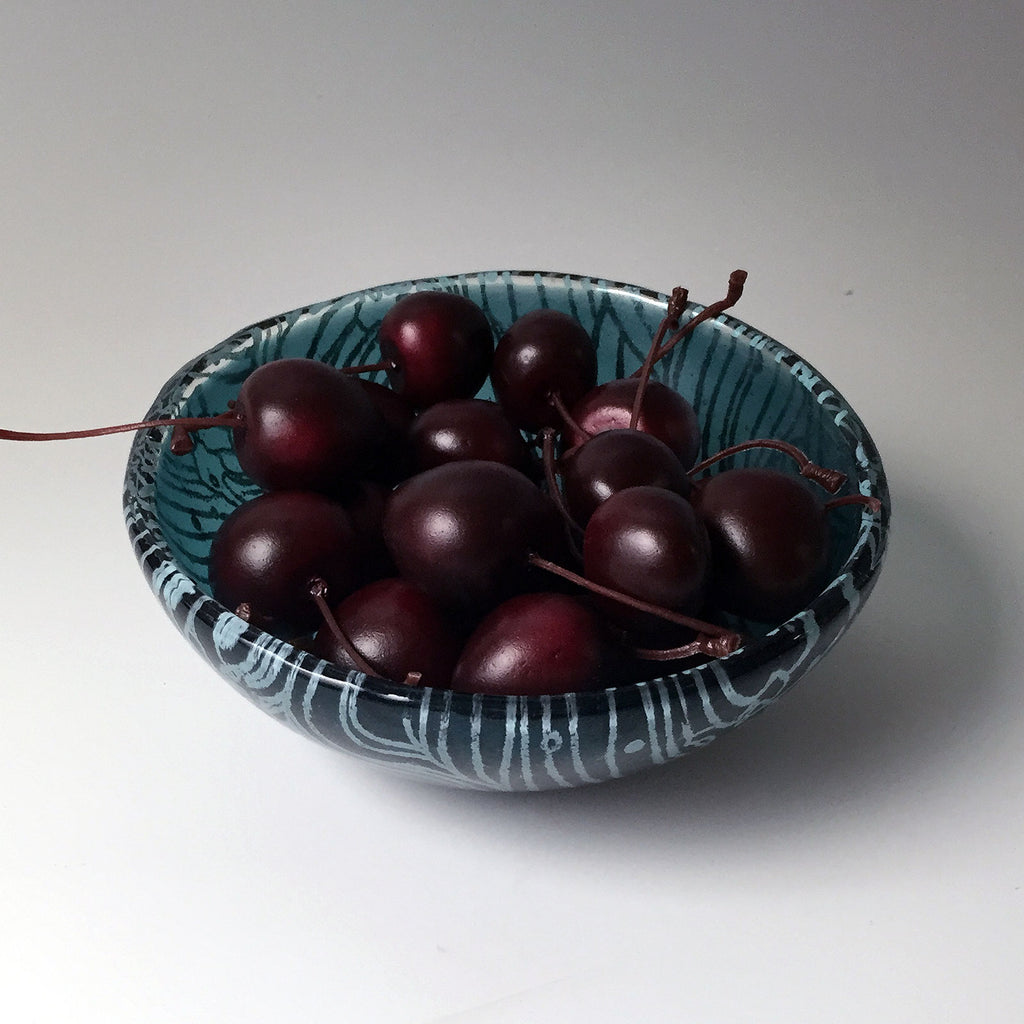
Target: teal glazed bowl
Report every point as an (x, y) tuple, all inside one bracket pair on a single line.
[(742, 383)]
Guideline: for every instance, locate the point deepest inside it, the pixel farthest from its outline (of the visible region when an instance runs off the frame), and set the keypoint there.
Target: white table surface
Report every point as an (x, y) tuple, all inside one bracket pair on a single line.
[(172, 172)]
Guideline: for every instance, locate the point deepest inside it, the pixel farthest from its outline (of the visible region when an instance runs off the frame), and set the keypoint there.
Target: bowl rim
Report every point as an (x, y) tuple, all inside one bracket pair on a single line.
[(857, 570)]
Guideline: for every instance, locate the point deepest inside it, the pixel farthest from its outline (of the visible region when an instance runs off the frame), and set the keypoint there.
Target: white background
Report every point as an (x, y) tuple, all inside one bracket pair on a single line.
[(172, 172)]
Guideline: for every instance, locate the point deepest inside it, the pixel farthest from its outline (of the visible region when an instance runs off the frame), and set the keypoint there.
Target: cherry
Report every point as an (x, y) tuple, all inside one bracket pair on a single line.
[(665, 414), (297, 424), (544, 363), (463, 531), (268, 550), (303, 424), (534, 644), (391, 628), (768, 531), (647, 542), (614, 460), (643, 404), (467, 429), (434, 346), (769, 540)]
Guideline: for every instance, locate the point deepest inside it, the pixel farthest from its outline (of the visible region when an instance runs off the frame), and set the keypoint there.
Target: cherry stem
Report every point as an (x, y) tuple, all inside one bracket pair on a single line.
[(714, 646), (573, 530), (318, 590), (873, 504), (384, 364), (736, 281), (551, 478), (676, 307), (830, 479), (730, 639), (224, 419), (556, 400)]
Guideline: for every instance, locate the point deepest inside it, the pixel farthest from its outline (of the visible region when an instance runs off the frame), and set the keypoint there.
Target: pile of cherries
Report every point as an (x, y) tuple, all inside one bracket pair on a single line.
[(554, 540)]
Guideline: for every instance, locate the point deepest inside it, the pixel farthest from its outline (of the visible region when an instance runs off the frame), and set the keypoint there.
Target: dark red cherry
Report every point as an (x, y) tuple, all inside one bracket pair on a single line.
[(438, 346), (463, 531), (614, 460), (397, 631), (545, 359), (302, 424), (769, 541), (664, 413), (463, 429), (268, 550), (647, 542), (531, 645)]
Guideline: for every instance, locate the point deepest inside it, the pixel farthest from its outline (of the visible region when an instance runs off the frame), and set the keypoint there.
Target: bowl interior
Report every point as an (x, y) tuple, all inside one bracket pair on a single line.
[(742, 383)]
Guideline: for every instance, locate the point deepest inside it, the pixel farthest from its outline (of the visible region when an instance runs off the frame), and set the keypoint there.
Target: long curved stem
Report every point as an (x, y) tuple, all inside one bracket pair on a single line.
[(730, 639), (224, 419), (566, 416), (676, 307), (736, 281), (551, 479), (830, 479), (318, 590)]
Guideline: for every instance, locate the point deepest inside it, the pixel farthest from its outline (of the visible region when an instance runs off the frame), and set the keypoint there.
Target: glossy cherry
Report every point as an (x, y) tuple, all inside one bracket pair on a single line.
[(461, 430), (463, 531), (545, 361), (534, 644), (265, 554), (435, 346), (664, 413), (614, 460), (392, 629), (648, 543), (769, 536), (643, 404), (304, 424)]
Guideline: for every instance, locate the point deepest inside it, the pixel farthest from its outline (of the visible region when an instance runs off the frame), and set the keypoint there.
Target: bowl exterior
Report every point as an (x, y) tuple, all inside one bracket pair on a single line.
[(742, 383)]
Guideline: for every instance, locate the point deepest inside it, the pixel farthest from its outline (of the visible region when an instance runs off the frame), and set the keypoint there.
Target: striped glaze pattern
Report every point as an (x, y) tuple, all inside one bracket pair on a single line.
[(743, 384)]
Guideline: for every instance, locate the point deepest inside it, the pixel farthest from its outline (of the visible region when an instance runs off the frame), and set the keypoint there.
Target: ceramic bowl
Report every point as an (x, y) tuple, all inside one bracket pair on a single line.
[(742, 383)]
